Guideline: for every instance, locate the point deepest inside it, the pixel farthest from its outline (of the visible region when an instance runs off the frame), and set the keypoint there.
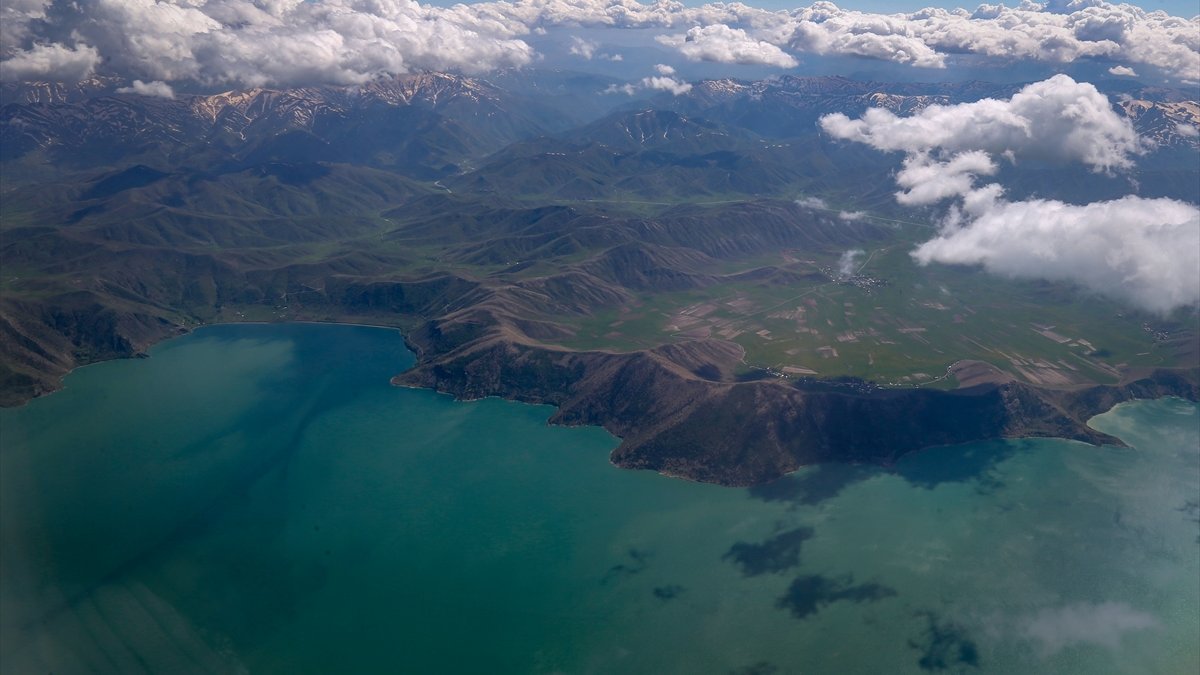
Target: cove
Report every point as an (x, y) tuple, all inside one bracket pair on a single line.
[(258, 498)]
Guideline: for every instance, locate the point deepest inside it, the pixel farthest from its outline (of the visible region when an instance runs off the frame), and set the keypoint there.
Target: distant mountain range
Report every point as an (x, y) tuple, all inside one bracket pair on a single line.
[(420, 125), (430, 124)]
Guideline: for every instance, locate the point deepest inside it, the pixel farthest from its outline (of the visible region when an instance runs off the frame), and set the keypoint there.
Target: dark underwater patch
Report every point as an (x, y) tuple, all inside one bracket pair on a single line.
[(777, 554), (808, 594), (958, 464), (668, 592), (636, 561), (1191, 509), (944, 646), (820, 483)]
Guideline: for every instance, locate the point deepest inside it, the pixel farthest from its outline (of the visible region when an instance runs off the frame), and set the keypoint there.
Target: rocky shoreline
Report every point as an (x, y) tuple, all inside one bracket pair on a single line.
[(677, 410), (680, 409)]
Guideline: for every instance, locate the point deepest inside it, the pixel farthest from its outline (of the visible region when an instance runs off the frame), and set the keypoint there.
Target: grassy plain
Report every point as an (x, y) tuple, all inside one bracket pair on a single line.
[(896, 322)]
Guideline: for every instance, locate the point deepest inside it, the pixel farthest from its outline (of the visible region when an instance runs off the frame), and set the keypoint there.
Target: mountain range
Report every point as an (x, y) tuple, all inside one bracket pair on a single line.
[(628, 262)]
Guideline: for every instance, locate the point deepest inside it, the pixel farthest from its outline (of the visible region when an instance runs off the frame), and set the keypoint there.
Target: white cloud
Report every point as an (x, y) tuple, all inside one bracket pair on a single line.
[(584, 48), (823, 29), (1122, 71), (53, 62), (159, 89), (254, 42), (723, 44), (15, 19), (667, 84), (851, 216), (927, 181), (848, 263), (1103, 624), (1144, 251), (812, 203), (627, 89), (1186, 130), (262, 43), (665, 80), (1054, 120)]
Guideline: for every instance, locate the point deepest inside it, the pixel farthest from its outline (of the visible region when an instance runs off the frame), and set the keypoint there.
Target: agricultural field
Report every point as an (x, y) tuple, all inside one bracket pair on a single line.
[(899, 324)]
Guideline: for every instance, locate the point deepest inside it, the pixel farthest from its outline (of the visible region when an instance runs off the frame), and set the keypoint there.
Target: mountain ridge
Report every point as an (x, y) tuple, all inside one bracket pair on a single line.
[(675, 273)]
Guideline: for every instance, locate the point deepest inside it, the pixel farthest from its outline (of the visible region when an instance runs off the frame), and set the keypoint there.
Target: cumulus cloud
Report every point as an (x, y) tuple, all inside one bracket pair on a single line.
[(848, 263), (53, 62), (584, 48), (825, 29), (667, 84), (928, 181), (16, 16), (812, 203), (1143, 251), (851, 216), (1103, 624), (665, 80), (1186, 130), (159, 89), (1122, 71), (256, 42), (723, 44), (1058, 119)]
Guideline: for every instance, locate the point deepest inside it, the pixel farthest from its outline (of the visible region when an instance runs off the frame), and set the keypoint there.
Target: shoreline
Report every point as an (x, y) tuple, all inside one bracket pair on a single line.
[(695, 444), (144, 352)]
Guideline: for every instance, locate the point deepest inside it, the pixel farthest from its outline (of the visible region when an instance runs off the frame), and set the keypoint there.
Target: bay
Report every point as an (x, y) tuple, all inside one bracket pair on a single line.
[(259, 498)]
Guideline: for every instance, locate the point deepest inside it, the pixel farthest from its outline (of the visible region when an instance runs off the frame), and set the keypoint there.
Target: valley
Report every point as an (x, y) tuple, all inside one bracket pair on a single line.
[(707, 276)]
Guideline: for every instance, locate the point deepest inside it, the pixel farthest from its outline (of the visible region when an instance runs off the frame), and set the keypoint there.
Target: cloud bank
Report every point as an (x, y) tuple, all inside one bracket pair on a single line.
[(52, 61), (253, 43), (1143, 251), (289, 42)]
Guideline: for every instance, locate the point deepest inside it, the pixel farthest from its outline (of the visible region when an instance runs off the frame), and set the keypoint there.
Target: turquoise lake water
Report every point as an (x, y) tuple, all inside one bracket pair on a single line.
[(258, 498)]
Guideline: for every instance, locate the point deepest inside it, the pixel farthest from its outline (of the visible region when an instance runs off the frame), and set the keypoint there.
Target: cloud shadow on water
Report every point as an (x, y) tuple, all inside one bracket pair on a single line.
[(668, 592), (636, 563), (813, 485), (944, 646), (959, 464), (777, 554), (808, 594), (1191, 509)]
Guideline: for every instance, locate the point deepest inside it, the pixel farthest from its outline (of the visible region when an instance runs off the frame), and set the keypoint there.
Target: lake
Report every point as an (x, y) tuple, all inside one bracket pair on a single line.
[(258, 498)]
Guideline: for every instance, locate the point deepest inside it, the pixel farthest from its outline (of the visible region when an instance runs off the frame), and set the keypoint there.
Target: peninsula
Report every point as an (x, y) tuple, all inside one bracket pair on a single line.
[(733, 296)]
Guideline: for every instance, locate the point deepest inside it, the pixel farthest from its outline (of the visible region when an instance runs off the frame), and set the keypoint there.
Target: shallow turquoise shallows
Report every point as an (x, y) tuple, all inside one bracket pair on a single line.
[(258, 498)]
